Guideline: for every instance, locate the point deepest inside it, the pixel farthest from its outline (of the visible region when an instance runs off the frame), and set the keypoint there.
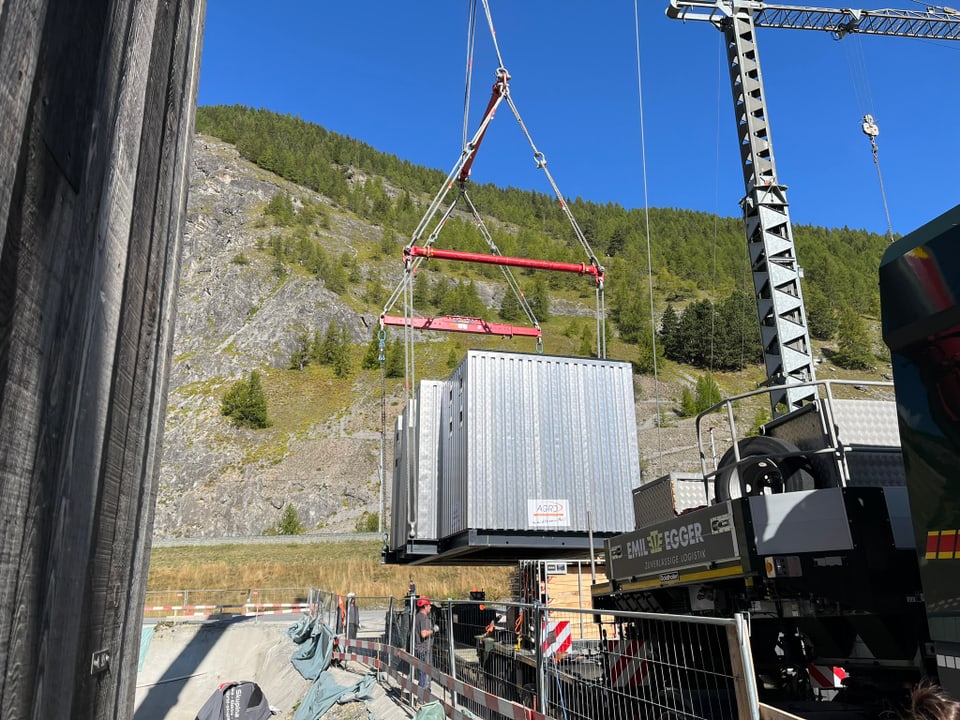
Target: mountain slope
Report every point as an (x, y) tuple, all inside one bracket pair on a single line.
[(253, 284), (238, 311), (235, 314)]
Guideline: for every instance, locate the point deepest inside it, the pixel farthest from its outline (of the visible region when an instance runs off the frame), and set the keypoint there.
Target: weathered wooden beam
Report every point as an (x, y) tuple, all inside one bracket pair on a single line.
[(96, 120)]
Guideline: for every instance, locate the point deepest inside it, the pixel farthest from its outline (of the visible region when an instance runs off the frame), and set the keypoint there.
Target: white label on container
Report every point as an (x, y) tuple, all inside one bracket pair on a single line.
[(548, 513)]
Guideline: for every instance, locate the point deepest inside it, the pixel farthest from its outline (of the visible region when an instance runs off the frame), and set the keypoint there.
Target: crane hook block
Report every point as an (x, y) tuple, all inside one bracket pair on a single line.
[(869, 126)]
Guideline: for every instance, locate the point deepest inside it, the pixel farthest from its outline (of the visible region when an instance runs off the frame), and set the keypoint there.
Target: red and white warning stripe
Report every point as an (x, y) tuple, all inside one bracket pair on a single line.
[(502, 707), (256, 608), (826, 676), (557, 637), (629, 667), (184, 610)]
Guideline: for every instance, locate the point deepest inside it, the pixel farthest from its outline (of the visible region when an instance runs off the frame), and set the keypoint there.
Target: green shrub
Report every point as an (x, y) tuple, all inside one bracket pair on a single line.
[(288, 524), (368, 522), (246, 404)]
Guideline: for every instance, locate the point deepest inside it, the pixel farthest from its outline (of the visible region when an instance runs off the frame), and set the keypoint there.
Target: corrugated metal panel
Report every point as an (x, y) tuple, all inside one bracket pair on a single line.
[(416, 455), (428, 459), (524, 429), (399, 515)]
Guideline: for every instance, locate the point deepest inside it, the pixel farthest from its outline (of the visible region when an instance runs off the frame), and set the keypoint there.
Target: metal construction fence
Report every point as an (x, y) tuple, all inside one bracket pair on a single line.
[(185, 604), (174, 605), (505, 660), (514, 660)]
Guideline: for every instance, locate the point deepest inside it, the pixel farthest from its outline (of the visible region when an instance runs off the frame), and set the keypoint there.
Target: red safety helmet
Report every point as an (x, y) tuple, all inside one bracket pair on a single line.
[(423, 601)]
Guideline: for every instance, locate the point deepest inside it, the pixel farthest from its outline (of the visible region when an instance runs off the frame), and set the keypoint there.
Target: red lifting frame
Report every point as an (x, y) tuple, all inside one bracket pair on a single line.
[(578, 268), (499, 92), (455, 323)]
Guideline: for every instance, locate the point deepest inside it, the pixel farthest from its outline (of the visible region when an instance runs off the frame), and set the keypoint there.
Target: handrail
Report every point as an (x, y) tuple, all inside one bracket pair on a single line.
[(834, 445)]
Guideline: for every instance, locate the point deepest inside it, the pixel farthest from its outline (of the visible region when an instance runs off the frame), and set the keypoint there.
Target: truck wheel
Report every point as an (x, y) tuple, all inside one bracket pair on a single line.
[(761, 471)]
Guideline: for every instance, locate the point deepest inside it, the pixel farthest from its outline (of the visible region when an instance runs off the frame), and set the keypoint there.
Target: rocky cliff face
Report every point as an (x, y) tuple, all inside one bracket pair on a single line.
[(237, 314)]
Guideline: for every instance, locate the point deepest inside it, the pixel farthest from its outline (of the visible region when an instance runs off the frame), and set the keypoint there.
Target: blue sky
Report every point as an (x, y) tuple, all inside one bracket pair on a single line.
[(393, 75)]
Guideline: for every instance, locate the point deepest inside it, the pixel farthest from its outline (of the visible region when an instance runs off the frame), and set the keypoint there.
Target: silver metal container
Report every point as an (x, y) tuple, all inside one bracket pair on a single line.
[(537, 444)]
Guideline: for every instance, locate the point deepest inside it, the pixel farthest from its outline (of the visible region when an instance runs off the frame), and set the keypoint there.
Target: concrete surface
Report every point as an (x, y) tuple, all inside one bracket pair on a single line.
[(183, 664)]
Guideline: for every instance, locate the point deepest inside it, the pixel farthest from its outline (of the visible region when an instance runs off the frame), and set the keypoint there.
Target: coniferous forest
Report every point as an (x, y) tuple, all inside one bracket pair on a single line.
[(702, 286)]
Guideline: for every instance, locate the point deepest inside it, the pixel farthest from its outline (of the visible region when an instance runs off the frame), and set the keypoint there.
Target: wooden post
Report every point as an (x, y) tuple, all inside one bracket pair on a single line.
[(97, 106)]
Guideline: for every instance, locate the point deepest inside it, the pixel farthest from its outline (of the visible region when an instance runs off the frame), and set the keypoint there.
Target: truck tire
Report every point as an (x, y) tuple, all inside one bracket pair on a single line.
[(762, 469)]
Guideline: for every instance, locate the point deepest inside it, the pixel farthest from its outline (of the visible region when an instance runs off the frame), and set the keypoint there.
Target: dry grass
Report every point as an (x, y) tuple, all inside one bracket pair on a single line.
[(335, 566)]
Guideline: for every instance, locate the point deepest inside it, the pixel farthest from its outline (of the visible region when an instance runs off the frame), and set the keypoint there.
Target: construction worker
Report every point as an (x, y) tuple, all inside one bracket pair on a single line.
[(424, 630), (341, 615), (353, 616)]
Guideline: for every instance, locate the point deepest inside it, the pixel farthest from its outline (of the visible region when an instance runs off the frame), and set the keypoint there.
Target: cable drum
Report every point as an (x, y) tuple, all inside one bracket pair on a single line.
[(767, 466)]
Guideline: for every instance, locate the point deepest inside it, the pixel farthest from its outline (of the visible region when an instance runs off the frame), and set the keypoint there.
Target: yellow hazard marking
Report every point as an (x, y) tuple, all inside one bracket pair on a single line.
[(686, 577)]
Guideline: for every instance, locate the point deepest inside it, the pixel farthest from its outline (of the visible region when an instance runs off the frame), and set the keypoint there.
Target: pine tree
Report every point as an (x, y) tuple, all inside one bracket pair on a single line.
[(670, 332), (688, 405), (708, 392), (388, 243), (371, 358), (540, 301), (453, 357), (421, 290), (246, 404), (510, 307), (736, 340), (289, 523), (343, 356), (280, 208), (396, 366), (645, 354), (327, 348), (694, 340), (300, 357), (853, 345), (633, 319), (588, 347), (822, 315)]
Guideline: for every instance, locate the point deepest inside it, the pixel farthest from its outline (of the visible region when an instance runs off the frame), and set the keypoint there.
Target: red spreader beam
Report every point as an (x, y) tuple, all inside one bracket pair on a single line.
[(578, 268), (454, 323)]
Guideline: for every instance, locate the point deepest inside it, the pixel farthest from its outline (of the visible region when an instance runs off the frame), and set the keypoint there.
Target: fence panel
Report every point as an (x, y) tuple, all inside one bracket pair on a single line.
[(573, 663), (641, 666), (504, 660)]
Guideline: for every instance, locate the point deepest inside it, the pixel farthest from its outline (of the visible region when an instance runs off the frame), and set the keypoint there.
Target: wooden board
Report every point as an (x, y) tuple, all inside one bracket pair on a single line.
[(96, 120)]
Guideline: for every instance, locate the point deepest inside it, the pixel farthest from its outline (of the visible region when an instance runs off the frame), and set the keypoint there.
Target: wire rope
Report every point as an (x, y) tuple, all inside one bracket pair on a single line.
[(716, 207), (471, 43), (461, 168), (493, 33), (382, 357), (860, 79), (646, 213)]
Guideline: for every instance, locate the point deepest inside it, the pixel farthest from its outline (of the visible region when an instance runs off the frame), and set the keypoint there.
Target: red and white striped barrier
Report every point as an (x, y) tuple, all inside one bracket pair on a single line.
[(184, 610), (251, 609), (826, 677), (504, 708), (629, 667), (557, 637)]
